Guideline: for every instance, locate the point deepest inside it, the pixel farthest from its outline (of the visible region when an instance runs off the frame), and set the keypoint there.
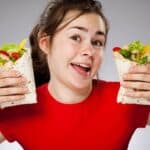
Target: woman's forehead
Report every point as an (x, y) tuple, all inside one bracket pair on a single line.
[(90, 20)]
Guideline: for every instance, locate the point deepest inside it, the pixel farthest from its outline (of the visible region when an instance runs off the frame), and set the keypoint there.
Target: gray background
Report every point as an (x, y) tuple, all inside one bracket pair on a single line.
[(129, 20)]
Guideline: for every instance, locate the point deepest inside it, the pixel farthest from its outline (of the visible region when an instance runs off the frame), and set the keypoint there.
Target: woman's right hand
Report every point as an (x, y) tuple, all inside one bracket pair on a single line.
[(13, 86)]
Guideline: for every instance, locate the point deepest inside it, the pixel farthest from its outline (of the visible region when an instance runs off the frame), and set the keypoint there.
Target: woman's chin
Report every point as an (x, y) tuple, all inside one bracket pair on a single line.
[(81, 84)]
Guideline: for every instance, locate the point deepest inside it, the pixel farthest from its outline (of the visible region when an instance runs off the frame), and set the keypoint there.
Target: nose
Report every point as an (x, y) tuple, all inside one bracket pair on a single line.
[(87, 49)]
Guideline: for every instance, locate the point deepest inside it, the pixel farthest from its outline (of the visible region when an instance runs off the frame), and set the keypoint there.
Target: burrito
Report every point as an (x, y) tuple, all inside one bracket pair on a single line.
[(136, 53), (17, 57)]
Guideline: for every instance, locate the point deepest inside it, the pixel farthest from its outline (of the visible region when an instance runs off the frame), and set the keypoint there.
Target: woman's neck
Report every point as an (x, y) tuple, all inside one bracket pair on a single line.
[(67, 95)]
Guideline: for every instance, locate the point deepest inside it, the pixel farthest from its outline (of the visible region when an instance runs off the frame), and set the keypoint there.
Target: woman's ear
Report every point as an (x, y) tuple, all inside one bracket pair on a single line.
[(44, 43)]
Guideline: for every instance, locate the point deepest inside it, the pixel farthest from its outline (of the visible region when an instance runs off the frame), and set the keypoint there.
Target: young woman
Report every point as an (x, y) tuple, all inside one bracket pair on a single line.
[(74, 112)]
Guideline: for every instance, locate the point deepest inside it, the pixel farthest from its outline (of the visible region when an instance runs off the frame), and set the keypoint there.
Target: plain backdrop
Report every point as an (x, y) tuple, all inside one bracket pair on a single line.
[(129, 20)]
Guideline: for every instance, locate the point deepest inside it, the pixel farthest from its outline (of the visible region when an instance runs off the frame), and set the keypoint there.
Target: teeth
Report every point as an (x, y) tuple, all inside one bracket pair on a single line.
[(83, 65), (86, 67)]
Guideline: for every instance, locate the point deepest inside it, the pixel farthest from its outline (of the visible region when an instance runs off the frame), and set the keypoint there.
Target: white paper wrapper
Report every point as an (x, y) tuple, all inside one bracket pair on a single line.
[(24, 66), (123, 66)]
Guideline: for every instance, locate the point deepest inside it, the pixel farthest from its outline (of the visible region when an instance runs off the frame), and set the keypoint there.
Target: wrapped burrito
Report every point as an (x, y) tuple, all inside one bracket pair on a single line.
[(17, 57), (135, 53)]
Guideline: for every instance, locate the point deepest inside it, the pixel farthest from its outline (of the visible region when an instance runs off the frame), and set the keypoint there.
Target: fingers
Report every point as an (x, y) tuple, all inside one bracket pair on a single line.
[(13, 91), (12, 86), (11, 78), (140, 89), (138, 94), (136, 77), (136, 85), (10, 73), (140, 68), (11, 98), (5, 82)]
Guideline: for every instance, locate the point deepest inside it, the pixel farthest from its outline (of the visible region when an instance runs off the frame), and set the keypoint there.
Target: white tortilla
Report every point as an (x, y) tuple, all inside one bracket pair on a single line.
[(123, 66), (24, 66)]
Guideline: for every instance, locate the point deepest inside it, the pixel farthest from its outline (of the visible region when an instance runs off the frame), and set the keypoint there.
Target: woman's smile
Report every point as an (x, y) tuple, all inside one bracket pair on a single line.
[(83, 69)]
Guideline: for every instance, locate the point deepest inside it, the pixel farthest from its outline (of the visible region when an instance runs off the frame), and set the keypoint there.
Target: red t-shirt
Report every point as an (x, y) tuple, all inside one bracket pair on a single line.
[(98, 123)]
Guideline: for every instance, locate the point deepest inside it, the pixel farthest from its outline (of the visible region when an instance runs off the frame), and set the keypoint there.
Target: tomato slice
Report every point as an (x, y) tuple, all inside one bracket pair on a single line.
[(4, 53), (15, 55), (116, 49)]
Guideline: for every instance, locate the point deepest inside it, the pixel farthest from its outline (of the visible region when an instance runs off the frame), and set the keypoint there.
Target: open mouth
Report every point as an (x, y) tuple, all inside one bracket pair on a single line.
[(82, 69)]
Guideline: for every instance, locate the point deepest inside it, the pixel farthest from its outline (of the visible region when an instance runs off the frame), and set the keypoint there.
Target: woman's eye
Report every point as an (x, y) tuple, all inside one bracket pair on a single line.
[(76, 38), (97, 43)]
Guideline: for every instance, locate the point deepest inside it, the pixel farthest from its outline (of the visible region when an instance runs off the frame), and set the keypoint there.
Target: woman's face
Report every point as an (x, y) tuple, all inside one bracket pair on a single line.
[(76, 51)]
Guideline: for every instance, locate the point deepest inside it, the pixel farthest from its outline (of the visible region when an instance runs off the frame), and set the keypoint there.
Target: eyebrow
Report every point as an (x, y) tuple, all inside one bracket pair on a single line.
[(86, 30)]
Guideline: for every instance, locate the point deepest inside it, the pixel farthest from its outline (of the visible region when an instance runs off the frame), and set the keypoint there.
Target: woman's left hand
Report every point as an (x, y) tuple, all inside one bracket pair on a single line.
[(138, 79)]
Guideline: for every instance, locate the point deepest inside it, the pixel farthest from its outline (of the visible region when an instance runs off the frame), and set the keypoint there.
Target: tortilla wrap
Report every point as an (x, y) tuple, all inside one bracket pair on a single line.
[(24, 66), (123, 66)]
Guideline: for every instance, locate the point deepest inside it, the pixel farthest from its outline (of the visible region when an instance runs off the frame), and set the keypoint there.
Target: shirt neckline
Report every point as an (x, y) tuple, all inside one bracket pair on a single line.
[(53, 100)]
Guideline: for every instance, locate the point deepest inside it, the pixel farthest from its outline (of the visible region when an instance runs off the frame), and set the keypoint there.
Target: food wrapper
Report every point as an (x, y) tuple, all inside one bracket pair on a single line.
[(24, 66), (123, 64)]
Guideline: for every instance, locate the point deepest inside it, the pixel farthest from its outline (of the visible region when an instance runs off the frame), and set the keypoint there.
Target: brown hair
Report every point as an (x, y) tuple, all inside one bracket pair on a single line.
[(50, 19)]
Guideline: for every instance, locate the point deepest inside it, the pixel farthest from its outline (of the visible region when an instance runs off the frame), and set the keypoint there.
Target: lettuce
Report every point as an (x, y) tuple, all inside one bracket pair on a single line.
[(143, 60), (136, 45), (125, 53), (2, 61), (14, 51), (11, 47)]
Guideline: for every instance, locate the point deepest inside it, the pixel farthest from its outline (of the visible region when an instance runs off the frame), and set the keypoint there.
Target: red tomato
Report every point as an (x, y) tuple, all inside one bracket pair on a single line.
[(15, 55), (4, 53), (116, 49)]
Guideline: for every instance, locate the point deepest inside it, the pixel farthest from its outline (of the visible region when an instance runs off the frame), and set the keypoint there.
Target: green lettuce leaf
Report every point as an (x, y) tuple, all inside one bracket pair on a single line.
[(143, 60), (10, 47), (136, 45), (125, 53), (2, 61)]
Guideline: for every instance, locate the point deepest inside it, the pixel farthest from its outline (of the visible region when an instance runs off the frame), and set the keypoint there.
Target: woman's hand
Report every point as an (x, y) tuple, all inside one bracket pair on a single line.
[(12, 86), (138, 78)]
